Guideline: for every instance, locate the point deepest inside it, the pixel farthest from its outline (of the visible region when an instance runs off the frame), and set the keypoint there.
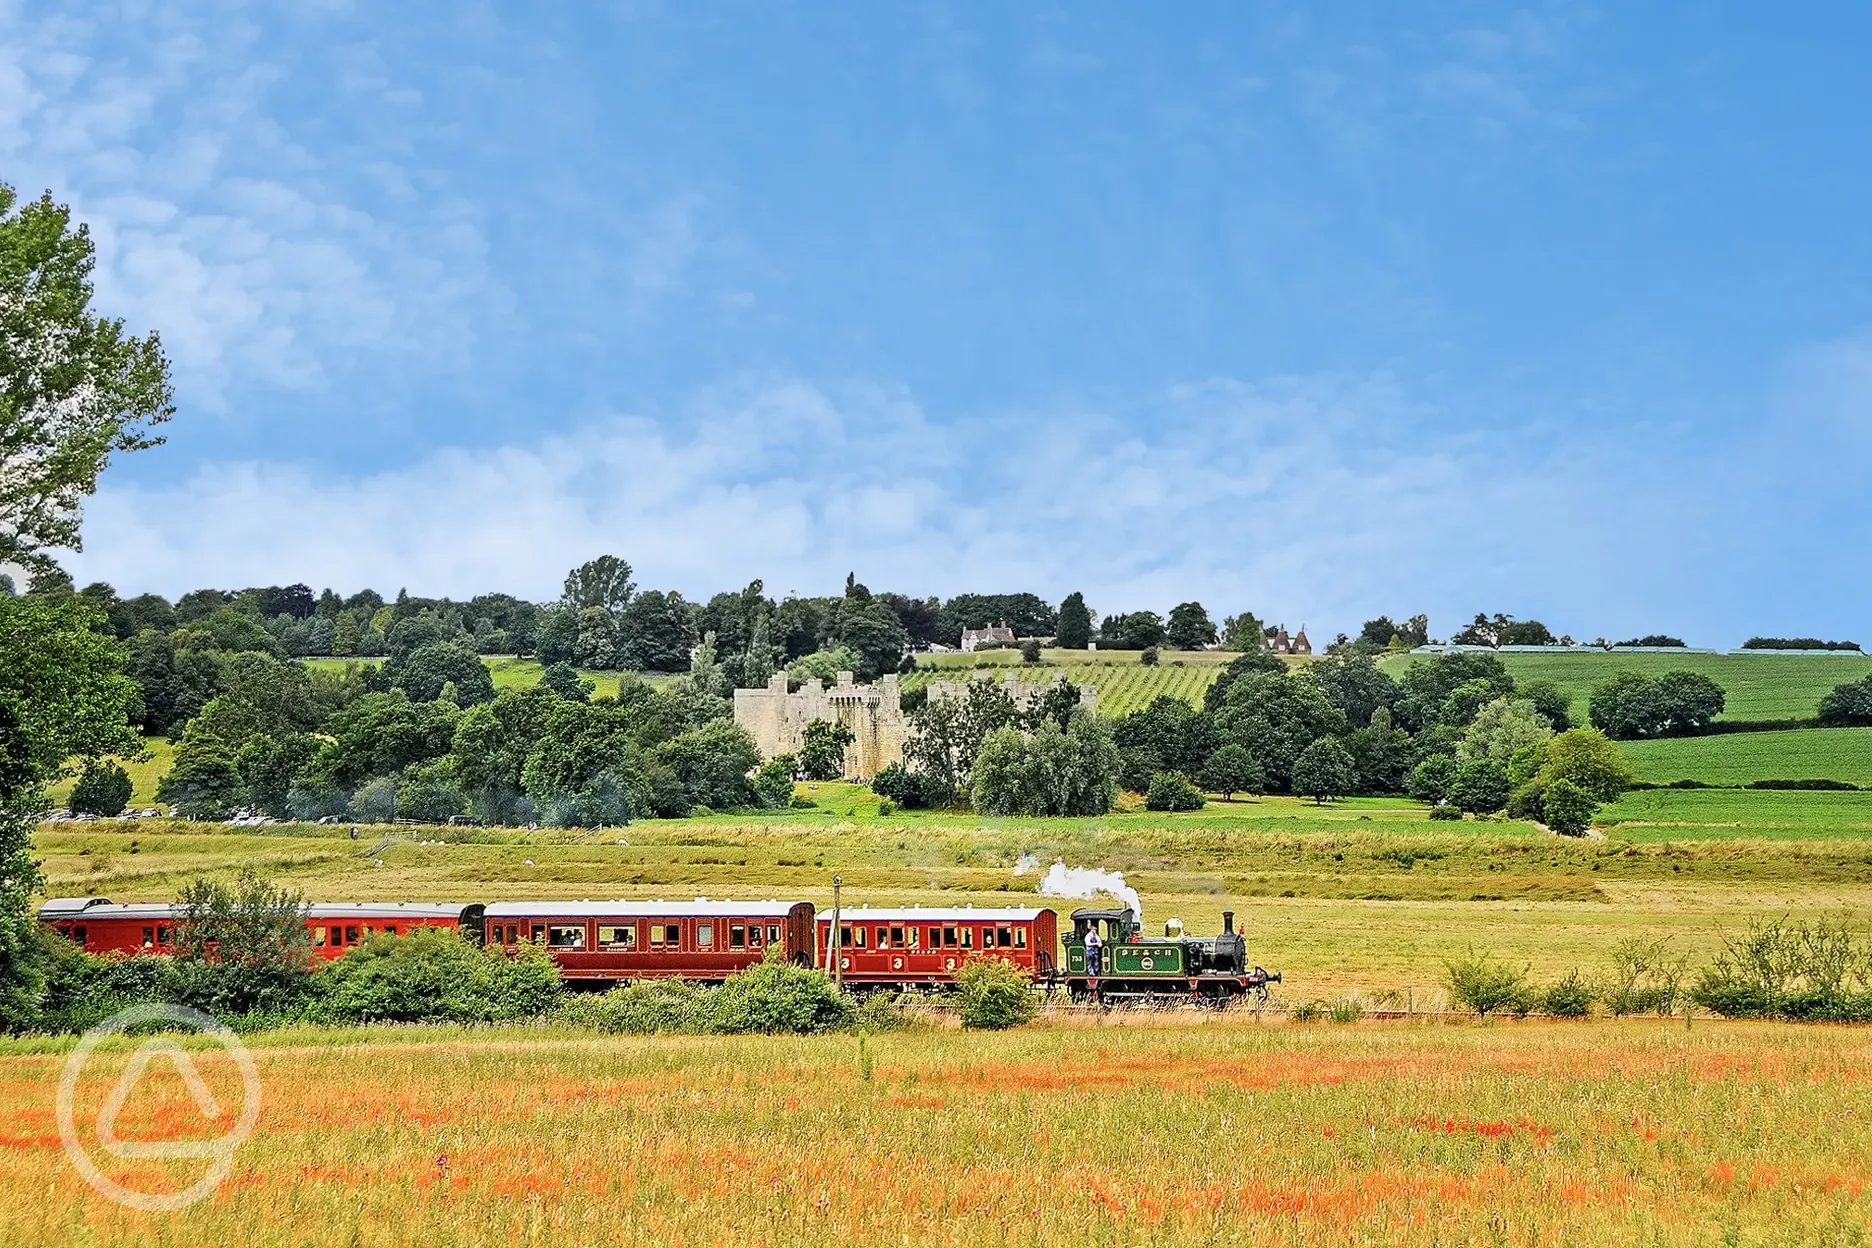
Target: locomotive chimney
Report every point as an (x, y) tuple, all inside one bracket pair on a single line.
[(1228, 922)]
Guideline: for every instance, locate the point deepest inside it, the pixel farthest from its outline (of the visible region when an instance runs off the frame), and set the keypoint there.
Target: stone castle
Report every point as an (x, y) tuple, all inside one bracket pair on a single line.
[(777, 719)]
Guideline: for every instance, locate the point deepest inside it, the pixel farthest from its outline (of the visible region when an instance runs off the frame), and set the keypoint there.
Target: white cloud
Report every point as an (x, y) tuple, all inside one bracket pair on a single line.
[(1295, 498), (249, 252)]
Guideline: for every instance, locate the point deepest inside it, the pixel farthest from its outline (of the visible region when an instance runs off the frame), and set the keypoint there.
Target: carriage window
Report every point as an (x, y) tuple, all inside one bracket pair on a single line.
[(968, 938), (753, 935), (672, 934), (389, 929), (737, 937), (1020, 938), (773, 934), (656, 935), (566, 936), (911, 932), (350, 935), (883, 937), (705, 935), (896, 937), (613, 937), (948, 937), (78, 934), (149, 935), (539, 934), (1004, 936), (851, 937), (318, 936)]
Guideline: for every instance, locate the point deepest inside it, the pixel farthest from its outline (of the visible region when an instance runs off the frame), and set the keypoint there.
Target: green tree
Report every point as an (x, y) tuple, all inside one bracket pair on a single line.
[(563, 680), (1259, 659), (1554, 703), (597, 644), (1567, 808), (1075, 623), (1245, 633), (1137, 630), (103, 789), (267, 767), (604, 582), (1428, 684), (946, 733), (822, 754), (1587, 758), (1190, 627), (1848, 705), (63, 694), (873, 633), (74, 388), (203, 782), (1480, 787), (1431, 779), (1231, 770), (1323, 771), (346, 634), (242, 948), (1353, 683), (712, 763), (1170, 791), (557, 638), (1500, 729), (429, 668), (491, 747), (656, 632), (762, 659), (1275, 716)]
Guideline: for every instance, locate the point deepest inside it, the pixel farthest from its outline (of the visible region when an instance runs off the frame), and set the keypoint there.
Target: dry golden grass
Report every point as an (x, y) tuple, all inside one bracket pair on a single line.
[(1228, 1133)]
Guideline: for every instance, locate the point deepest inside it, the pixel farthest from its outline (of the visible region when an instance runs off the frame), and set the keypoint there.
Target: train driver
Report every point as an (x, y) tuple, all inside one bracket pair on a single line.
[(1092, 944)]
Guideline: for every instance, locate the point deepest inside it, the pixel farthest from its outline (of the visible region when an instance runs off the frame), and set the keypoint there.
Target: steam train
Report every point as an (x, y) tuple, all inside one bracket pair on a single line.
[(599, 943)]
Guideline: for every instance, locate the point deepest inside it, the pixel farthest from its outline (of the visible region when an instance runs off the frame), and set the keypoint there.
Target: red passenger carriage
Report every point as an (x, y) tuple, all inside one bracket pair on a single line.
[(99, 925), (618, 940), (925, 947)]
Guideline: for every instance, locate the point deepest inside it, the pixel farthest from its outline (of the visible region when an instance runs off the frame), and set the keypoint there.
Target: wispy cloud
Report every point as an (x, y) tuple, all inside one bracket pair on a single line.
[(252, 255), (1304, 498)]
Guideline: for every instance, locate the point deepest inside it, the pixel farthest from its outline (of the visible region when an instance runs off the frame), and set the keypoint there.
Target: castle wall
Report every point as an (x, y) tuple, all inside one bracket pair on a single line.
[(777, 719)]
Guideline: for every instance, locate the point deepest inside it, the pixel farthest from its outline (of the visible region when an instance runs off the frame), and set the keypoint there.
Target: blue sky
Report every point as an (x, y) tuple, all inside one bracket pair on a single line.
[(1320, 312)]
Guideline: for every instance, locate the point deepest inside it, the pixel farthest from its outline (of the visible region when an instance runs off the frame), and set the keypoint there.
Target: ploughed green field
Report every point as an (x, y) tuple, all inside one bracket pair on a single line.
[(1124, 683), (1744, 757), (1763, 685), (1365, 895)]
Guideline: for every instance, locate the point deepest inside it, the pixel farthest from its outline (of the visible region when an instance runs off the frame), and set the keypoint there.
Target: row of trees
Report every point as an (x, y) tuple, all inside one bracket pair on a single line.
[(1456, 730)]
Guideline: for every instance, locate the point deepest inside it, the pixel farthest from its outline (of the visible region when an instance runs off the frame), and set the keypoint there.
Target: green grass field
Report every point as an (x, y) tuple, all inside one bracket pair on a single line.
[(1658, 815), (144, 773), (509, 672), (1759, 686), (1743, 757)]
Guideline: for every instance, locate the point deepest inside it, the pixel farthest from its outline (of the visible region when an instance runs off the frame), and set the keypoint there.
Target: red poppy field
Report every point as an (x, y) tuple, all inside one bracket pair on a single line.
[(1229, 1132)]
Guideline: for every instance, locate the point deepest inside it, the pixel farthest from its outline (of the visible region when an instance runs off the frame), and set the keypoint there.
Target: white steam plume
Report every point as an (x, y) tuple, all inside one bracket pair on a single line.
[(1028, 862), (1064, 881)]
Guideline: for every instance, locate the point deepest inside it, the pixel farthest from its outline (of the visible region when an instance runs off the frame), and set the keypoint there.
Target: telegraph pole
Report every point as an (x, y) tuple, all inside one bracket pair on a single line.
[(838, 969)]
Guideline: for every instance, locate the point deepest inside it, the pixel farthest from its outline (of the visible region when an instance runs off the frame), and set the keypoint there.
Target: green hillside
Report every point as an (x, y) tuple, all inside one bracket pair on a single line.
[(143, 774), (1760, 686), (1744, 757)]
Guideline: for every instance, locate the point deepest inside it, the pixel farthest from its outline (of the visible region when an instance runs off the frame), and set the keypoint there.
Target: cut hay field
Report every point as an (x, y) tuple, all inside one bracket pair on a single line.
[(1124, 684), (1066, 1133), (1365, 895), (1744, 757), (1759, 686)]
